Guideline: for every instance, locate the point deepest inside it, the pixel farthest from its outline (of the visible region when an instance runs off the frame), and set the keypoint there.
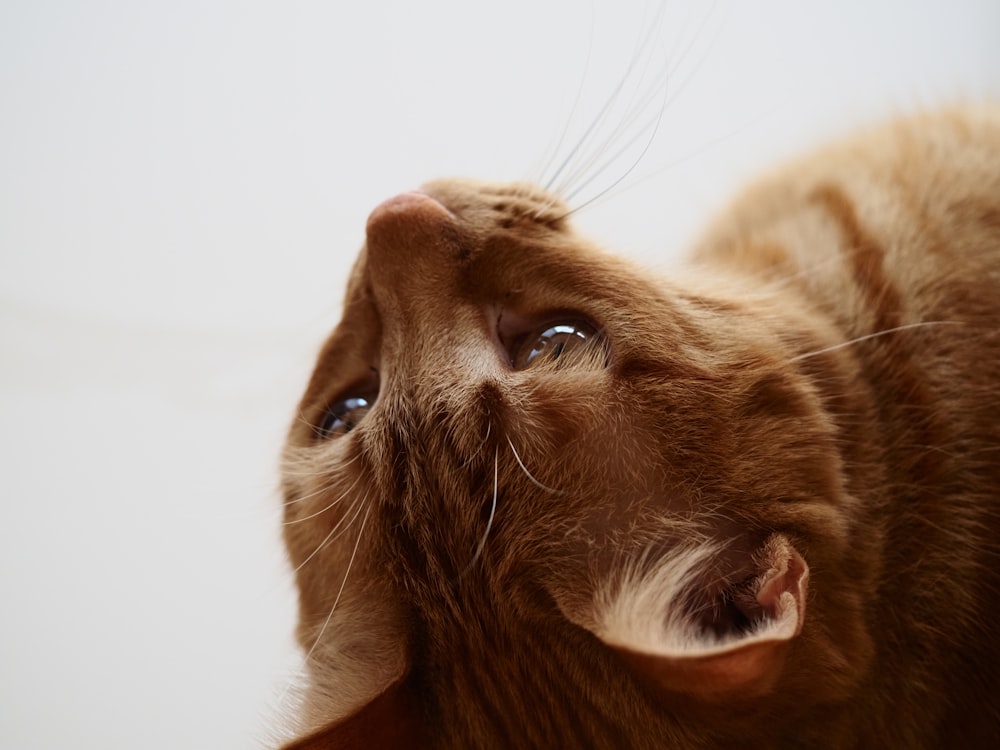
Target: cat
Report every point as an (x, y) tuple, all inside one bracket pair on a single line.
[(538, 498)]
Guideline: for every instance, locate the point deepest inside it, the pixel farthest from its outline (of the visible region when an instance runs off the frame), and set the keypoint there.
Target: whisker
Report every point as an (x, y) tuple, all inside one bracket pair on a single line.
[(320, 512), (528, 473), (669, 96), (633, 110), (875, 335), (627, 172), (325, 486), (603, 112), (689, 154), (670, 67), (303, 464), (668, 72), (300, 417), (328, 483), (330, 536), (493, 510), (307, 459), (554, 152), (343, 584), (482, 446), (692, 40)]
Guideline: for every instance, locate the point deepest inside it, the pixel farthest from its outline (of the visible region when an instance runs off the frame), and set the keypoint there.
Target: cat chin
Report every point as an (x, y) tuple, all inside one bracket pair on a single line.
[(685, 636)]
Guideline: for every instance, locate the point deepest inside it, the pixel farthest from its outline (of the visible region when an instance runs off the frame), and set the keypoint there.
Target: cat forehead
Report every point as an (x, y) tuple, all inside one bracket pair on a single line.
[(474, 199)]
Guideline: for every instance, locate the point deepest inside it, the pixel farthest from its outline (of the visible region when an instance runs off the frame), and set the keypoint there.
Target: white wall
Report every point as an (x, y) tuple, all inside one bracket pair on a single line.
[(182, 187)]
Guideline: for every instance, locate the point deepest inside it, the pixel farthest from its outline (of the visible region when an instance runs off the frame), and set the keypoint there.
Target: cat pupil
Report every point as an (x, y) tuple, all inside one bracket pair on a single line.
[(343, 416), (552, 342)]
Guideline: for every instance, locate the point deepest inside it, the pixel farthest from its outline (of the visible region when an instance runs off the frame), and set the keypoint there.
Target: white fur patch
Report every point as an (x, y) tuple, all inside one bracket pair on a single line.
[(644, 609)]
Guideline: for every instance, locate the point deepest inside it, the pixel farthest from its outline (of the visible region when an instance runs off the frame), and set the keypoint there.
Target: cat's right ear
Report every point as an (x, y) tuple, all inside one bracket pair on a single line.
[(648, 623), (390, 721)]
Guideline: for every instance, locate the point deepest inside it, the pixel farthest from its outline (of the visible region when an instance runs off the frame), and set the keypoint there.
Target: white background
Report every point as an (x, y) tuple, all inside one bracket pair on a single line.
[(182, 187)]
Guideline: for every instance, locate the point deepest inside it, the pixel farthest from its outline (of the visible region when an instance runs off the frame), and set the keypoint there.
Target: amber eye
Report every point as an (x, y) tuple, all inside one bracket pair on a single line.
[(342, 416), (554, 345)]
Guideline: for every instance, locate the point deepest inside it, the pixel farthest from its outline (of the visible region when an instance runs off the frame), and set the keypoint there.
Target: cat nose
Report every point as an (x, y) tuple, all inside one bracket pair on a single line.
[(406, 209), (405, 225), (411, 242)]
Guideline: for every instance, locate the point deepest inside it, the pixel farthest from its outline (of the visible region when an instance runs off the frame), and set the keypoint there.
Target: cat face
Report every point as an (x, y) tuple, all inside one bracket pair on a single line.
[(534, 494)]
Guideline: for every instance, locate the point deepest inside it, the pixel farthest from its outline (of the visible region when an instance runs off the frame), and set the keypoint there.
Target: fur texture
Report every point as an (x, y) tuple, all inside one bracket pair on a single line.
[(537, 498)]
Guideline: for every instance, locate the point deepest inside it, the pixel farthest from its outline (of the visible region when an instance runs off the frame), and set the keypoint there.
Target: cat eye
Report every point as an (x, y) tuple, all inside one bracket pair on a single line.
[(554, 345), (342, 417)]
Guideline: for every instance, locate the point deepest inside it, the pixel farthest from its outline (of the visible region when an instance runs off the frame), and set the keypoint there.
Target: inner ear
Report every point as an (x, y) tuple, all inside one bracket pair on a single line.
[(733, 646), (390, 721)]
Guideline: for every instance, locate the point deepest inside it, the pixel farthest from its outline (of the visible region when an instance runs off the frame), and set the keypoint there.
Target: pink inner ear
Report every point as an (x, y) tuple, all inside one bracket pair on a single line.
[(782, 589), (744, 665)]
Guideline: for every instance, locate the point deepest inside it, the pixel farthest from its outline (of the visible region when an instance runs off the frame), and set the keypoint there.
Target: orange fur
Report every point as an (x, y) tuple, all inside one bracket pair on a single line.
[(756, 505)]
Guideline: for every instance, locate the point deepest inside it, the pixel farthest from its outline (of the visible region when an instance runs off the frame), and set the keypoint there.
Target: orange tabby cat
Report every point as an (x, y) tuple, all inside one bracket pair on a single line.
[(539, 499)]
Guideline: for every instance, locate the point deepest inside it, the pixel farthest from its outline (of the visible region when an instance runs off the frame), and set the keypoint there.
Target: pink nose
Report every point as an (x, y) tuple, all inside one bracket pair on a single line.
[(411, 251), (412, 211)]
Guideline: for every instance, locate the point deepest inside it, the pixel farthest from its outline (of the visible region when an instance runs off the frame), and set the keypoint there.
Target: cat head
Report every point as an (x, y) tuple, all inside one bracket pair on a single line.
[(533, 493)]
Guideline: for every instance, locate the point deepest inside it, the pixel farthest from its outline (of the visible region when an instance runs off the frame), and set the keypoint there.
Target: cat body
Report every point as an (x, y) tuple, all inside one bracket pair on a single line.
[(536, 497)]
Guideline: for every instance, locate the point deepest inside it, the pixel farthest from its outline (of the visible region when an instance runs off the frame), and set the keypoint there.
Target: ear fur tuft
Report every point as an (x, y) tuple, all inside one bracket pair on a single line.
[(649, 619)]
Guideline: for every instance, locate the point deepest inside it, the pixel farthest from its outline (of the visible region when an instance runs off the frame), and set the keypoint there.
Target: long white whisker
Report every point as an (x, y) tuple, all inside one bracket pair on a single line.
[(664, 167), (343, 584), (633, 110), (669, 96), (528, 473), (875, 335), (321, 511), (588, 167), (474, 456), (637, 105), (554, 152), (329, 537), (602, 113), (595, 123), (640, 102), (493, 510), (325, 486), (632, 166), (692, 40)]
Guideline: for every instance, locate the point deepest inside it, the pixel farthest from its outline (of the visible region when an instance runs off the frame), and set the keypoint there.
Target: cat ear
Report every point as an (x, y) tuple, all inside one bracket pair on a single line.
[(390, 721), (714, 657)]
